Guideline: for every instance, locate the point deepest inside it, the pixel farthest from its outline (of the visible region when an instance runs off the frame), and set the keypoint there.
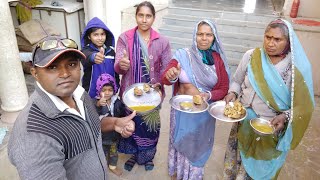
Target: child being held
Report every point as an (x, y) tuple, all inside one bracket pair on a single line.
[(108, 104)]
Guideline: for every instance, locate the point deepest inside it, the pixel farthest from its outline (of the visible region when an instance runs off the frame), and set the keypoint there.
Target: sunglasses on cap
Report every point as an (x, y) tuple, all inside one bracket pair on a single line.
[(50, 49), (54, 44)]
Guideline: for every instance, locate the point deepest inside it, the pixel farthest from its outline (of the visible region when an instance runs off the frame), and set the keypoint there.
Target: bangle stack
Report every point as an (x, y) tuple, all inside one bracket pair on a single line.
[(210, 95), (173, 81), (287, 114)]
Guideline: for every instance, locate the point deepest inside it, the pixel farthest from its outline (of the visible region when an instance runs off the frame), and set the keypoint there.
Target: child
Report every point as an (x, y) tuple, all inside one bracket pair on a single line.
[(97, 44), (108, 104)]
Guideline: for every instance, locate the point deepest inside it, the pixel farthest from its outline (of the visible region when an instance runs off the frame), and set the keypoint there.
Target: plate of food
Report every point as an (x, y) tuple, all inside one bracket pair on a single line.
[(232, 112), (189, 104), (262, 126), (141, 97)]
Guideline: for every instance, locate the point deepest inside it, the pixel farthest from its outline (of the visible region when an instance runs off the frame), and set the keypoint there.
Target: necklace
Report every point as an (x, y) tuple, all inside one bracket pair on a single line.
[(146, 39)]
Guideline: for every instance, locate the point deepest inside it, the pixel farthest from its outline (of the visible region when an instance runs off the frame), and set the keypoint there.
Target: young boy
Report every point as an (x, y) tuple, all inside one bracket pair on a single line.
[(108, 105), (97, 43)]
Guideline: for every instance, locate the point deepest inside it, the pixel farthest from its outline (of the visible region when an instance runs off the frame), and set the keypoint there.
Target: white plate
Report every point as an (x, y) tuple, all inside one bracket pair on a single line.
[(151, 98), (216, 110), (176, 100)]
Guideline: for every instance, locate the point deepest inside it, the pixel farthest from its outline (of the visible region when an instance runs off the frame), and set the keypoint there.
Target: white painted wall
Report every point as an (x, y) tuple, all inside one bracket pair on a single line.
[(114, 11), (310, 41), (309, 36), (307, 8), (109, 11), (94, 8)]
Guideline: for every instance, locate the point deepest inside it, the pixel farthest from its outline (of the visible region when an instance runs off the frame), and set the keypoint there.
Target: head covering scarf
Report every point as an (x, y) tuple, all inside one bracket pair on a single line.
[(263, 156), (96, 23), (286, 50), (216, 46), (194, 133), (104, 79)]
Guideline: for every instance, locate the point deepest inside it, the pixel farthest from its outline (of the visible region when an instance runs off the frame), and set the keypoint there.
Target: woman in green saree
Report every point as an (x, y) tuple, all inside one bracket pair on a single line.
[(274, 83)]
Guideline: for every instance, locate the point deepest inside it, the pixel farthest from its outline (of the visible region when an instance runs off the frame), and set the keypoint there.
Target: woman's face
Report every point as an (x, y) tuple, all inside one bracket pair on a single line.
[(205, 37), (274, 41), (144, 18), (98, 37)]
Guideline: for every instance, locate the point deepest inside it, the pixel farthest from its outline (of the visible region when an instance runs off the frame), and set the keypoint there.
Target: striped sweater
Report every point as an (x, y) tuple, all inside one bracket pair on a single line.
[(49, 144)]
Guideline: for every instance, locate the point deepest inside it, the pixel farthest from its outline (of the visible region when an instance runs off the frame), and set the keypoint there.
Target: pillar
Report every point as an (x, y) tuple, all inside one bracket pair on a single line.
[(95, 8), (13, 89)]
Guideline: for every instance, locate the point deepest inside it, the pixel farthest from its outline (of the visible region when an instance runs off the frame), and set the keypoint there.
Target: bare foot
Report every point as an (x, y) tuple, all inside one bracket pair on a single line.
[(116, 171)]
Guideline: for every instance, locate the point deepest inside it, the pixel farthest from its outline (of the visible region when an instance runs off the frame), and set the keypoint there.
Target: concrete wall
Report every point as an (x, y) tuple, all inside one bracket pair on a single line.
[(309, 36), (112, 12), (310, 41), (119, 19), (307, 8), (129, 21)]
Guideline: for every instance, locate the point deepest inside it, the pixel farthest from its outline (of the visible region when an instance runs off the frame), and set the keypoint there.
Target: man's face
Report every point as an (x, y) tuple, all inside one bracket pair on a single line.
[(60, 78)]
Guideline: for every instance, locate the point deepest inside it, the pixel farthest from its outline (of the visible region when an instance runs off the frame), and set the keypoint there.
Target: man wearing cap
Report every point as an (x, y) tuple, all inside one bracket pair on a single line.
[(58, 134)]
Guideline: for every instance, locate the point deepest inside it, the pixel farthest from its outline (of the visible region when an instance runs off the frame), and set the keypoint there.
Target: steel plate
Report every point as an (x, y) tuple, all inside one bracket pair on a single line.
[(176, 100), (151, 98), (216, 110)]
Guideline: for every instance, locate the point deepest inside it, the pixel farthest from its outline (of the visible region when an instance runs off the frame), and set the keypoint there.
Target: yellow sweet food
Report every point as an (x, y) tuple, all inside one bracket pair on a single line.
[(142, 108), (137, 91), (262, 127), (236, 111), (146, 87), (197, 99), (186, 105)]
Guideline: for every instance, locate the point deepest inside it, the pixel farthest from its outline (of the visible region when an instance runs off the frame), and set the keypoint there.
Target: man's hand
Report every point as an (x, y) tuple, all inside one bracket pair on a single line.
[(173, 73), (129, 129), (278, 122), (125, 126), (99, 58), (124, 62)]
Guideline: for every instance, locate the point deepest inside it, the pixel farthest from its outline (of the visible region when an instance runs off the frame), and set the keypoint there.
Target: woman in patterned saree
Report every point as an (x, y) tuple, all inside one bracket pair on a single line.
[(142, 55), (274, 83), (199, 70)]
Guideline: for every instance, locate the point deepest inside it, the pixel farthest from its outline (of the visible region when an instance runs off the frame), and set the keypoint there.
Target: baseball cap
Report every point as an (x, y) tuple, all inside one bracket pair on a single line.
[(50, 48)]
